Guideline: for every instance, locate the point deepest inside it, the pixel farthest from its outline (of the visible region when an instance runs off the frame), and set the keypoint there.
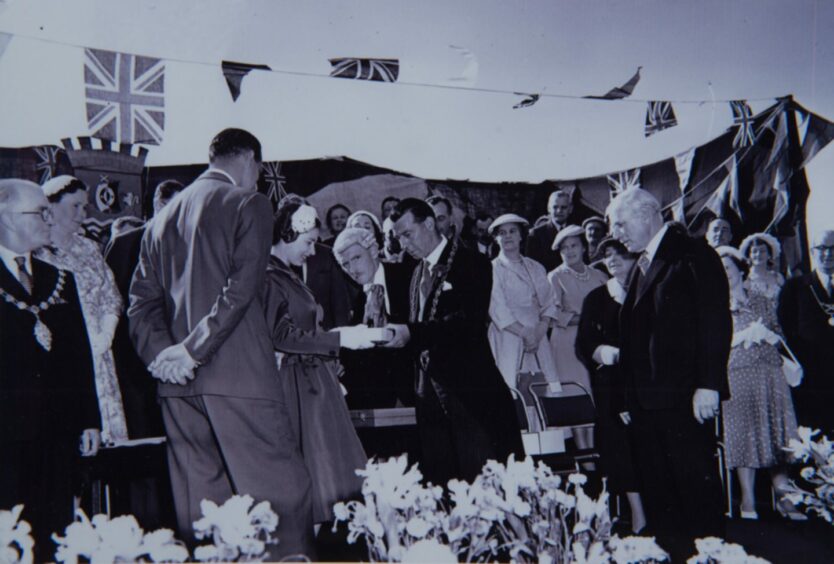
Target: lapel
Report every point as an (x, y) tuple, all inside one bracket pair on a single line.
[(658, 265), (289, 273), (44, 276), (442, 263), (12, 286)]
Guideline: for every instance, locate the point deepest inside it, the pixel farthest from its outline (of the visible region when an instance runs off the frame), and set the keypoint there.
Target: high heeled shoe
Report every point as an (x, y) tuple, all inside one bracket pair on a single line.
[(787, 509)]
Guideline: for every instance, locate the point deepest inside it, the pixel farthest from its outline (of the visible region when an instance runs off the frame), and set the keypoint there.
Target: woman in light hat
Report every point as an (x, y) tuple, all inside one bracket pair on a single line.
[(368, 221), (521, 307), (572, 281), (101, 303), (761, 251)]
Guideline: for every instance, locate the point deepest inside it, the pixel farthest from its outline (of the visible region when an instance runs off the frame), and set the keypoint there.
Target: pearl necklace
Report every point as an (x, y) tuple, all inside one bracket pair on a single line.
[(42, 333), (581, 276)]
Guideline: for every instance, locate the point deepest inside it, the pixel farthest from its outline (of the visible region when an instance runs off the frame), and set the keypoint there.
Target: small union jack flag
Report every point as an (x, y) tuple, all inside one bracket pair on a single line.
[(528, 101), (659, 116), (47, 163), (743, 118), (125, 96), (623, 181), (275, 181), (380, 70)]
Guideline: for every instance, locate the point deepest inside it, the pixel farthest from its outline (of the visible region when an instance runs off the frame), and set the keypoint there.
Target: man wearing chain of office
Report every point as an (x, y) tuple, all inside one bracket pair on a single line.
[(465, 413)]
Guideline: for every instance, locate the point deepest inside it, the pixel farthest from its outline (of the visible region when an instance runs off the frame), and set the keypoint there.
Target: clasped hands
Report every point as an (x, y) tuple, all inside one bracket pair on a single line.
[(173, 365)]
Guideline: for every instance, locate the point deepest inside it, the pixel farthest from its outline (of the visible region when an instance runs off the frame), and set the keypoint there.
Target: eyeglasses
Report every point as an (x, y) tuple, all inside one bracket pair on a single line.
[(45, 213), (822, 248)]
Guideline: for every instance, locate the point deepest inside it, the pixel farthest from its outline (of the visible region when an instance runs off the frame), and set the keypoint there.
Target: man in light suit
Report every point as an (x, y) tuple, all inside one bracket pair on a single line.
[(197, 319), (465, 413), (375, 378), (676, 331)]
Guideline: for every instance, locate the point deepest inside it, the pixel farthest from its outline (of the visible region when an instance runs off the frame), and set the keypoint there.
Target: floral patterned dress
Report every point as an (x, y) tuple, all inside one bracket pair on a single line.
[(99, 299), (759, 417)]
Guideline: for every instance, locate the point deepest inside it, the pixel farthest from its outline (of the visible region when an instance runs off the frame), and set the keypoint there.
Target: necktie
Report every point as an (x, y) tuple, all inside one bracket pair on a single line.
[(425, 281), (829, 286), (643, 263), (375, 306), (23, 274)]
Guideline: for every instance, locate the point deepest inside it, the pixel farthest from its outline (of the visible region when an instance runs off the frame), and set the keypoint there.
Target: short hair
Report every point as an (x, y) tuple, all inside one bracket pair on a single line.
[(420, 209), (722, 220), (58, 187), (617, 245), (388, 199), (819, 235), (353, 236), (329, 215), (282, 227), (483, 216), (10, 189), (636, 200), (558, 193), (233, 142), (435, 199), (167, 189)]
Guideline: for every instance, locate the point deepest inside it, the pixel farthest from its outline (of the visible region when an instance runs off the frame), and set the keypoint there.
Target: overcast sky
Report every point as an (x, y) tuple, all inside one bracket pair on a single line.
[(695, 51)]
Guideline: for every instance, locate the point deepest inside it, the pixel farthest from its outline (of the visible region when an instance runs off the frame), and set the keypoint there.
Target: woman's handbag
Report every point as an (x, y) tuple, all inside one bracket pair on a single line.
[(790, 365)]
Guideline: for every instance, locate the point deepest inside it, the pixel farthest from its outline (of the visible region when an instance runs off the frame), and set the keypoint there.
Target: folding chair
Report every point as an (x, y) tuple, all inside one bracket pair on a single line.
[(536, 443), (573, 407)]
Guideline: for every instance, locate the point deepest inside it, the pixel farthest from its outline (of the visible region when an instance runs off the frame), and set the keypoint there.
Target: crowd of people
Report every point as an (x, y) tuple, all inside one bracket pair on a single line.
[(245, 335)]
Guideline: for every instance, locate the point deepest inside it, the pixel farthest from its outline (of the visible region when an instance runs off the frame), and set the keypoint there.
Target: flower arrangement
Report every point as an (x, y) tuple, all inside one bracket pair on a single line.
[(16, 542), (712, 550), (520, 510), (238, 532), (820, 475), (104, 540)]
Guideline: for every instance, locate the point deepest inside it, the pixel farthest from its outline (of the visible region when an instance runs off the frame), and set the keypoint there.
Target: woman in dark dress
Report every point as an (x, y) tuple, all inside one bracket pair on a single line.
[(308, 363), (597, 346)]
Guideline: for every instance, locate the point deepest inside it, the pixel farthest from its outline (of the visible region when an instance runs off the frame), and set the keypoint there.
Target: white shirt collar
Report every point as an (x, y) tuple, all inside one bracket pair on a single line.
[(434, 256), (8, 257), (224, 173), (616, 290), (379, 278), (651, 248)]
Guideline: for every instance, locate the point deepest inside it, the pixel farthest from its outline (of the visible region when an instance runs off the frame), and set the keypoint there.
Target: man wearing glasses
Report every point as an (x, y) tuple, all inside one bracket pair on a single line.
[(806, 314), (48, 406)]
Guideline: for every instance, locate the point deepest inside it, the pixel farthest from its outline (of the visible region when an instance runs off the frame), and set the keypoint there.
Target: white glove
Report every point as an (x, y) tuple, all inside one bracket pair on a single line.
[(607, 355), (357, 338)]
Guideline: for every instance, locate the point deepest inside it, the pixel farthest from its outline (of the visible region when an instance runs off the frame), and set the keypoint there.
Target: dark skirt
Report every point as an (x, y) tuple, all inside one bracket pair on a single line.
[(612, 437)]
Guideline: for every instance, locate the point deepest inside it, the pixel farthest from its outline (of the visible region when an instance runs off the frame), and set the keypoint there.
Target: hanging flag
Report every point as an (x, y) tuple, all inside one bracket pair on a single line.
[(275, 181), (380, 70), (726, 195), (623, 181), (619, 92), (469, 74), (659, 116), (234, 73), (782, 187), (47, 163), (803, 119), (528, 101), (780, 140), (683, 166), (818, 134), (125, 96), (743, 118)]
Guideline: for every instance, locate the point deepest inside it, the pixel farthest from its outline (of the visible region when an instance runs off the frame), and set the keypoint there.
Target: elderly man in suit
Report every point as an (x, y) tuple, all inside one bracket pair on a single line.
[(676, 331), (196, 318), (465, 412), (48, 405), (806, 314), (375, 378), (540, 240)]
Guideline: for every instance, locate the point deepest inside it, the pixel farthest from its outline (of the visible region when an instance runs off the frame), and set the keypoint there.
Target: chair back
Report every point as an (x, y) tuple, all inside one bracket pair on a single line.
[(572, 407)]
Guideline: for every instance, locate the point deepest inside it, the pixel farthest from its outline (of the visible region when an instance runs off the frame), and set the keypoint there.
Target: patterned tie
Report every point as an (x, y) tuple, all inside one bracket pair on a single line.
[(425, 281), (23, 275), (643, 263), (375, 306)]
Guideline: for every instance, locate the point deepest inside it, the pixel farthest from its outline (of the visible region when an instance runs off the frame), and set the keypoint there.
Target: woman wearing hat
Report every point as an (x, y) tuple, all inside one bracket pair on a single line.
[(598, 347), (761, 251), (368, 221), (759, 418), (521, 307), (572, 281), (100, 299)]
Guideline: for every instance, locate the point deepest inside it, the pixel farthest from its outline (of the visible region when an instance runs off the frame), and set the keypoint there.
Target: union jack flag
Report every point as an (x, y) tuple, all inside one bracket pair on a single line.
[(659, 116), (743, 118), (623, 181), (125, 96), (380, 70), (47, 163), (275, 181)]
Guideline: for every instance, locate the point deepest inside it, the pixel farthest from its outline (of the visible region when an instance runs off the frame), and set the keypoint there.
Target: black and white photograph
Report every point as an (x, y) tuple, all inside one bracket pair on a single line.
[(445, 281)]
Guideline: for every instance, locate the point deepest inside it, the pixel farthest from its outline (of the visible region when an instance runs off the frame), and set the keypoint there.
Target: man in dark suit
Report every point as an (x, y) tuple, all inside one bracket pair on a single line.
[(197, 319), (806, 314), (47, 388), (144, 418), (465, 412), (374, 378), (676, 331), (540, 240)]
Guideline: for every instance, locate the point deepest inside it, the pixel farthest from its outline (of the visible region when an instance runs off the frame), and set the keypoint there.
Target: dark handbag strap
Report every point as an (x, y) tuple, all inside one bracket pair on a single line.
[(521, 361)]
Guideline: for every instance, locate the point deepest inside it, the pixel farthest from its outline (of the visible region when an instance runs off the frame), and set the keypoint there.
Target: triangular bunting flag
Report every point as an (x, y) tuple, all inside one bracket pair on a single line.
[(743, 118), (683, 166), (659, 116), (619, 92), (234, 73), (802, 121), (527, 102), (380, 70), (726, 194), (275, 181)]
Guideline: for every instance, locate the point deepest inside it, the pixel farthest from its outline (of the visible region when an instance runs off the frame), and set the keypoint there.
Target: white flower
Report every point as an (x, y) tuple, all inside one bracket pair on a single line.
[(15, 532), (636, 549), (577, 479), (417, 527), (304, 219), (428, 551), (161, 546)]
